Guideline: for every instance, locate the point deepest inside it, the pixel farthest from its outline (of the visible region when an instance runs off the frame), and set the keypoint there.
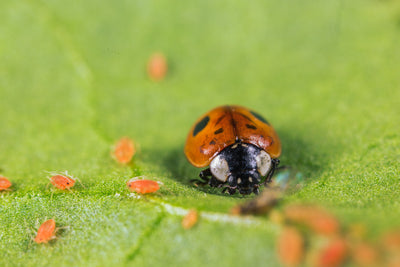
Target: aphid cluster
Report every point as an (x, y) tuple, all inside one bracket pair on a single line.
[(123, 152), (311, 236), (241, 150)]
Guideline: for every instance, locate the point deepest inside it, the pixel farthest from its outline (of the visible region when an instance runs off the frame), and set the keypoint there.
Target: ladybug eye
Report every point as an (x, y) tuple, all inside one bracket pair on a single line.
[(219, 168), (263, 163)]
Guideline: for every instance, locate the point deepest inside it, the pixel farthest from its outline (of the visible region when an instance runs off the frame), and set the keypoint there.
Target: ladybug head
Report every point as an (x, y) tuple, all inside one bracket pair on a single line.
[(241, 166), (246, 182)]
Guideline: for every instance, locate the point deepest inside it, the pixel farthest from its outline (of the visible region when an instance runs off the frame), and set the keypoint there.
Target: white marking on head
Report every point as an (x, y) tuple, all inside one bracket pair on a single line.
[(235, 146), (250, 179), (239, 181), (244, 145), (264, 163), (219, 168)]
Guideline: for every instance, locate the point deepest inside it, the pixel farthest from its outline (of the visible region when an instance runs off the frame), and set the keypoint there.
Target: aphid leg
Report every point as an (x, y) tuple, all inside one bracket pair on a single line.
[(159, 193), (79, 180), (198, 182), (47, 186), (32, 233), (275, 163), (61, 228), (31, 240), (224, 190)]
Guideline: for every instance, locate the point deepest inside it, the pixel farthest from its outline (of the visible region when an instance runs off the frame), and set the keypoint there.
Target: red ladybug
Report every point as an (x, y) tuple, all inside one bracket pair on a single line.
[(239, 146)]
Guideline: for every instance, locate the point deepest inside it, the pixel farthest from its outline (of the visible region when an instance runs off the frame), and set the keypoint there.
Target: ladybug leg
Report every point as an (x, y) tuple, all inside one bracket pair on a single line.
[(214, 182), (275, 163), (209, 179), (205, 176), (231, 190), (283, 168), (256, 190), (198, 182)]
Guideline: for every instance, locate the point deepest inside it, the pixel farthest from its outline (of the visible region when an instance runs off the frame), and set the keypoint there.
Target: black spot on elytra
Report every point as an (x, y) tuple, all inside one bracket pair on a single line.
[(220, 130), (212, 142), (251, 126), (258, 116), (247, 118), (201, 125), (219, 119)]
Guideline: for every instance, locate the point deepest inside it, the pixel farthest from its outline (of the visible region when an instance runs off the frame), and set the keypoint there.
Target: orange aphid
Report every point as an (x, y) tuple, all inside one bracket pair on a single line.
[(333, 254), (124, 150), (157, 67), (4, 183), (364, 254), (290, 247), (142, 186), (62, 181), (391, 245), (391, 241), (46, 232), (393, 260), (317, 219), (190, 219)]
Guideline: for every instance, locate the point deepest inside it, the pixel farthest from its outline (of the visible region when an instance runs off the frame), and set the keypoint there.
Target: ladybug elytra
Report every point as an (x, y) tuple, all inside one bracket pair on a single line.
[(239, 146)]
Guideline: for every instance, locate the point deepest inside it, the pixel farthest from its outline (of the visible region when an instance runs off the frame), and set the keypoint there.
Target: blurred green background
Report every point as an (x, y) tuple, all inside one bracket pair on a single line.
[(73, 80)]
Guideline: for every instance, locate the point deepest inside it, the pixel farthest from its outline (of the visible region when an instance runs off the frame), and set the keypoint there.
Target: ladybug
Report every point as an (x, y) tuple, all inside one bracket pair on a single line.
[(239, 146)]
